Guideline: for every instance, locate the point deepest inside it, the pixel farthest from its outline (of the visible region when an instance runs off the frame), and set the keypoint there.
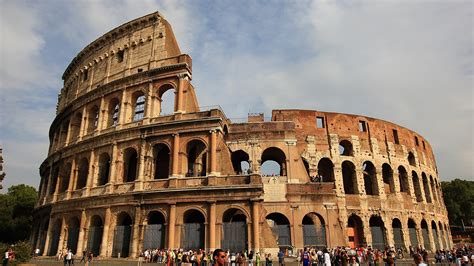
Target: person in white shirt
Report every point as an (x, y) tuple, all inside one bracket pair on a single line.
[(68, 259), (327, 258)]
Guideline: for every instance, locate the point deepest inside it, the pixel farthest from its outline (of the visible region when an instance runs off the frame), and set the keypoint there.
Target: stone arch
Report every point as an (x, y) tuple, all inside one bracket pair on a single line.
[(94, 235), (82, 173), (130, 165), (138, 105), (276, 155), (196, 151), (442, 235), (398, 234), (411, 159), (113, 112), (433, 189), (234, 227), (73, 227), (54, 238), (436, 236), (412, 233), (122, 238), (349, 177), (354, 231), (63, 133), (377, 229), (241, 162), (193, 231), (403, 179), (167, 97), (387, 176), (54, 180), (326, 170), (370, 178), (65, 173), (280, 226), (92, 118), (416, 186), (154, 236), (346, 148), (161, 155), (426, 235), (225, 130), (43, 232), (314, 230), (426, 188), (76, 121), (104, 169)]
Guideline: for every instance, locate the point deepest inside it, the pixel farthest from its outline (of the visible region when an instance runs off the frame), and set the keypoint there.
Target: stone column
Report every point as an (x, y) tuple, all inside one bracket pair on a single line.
[(360, 182), (113, 165), (380, 184), (82, 126), (171, 226), (56, 188), (212, 226), (256, 225), (182, 85), (213, 146), (141, 166), (175, 157), (123, 109), (68, 134), (431, 238), (338, 180), (82, 231), (136, 233), (102, 113), (91, 172), (62, 234), (48, 236), (105, 251), (72, 178), (48, 186), (149, 103)]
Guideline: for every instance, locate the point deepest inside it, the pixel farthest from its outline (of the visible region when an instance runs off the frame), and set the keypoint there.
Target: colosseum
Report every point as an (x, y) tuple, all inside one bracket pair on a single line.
[(124, 173)]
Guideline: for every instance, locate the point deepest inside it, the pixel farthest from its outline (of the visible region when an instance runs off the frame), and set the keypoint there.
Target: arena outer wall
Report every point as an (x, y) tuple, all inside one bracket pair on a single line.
[(122, 175)]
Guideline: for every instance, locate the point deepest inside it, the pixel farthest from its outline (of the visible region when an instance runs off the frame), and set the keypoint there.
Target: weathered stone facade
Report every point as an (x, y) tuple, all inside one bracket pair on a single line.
[(122, 175)]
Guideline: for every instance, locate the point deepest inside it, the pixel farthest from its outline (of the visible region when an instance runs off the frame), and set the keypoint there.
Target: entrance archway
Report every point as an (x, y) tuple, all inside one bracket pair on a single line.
[(154, 231), (54, 242), (281, 228), (193, 230), (73, 234), (412, 232), (95, 232), (234, 229), (354, 231), (123, 233), (398, 234), (377, 229), (314, 230), (425, 234)]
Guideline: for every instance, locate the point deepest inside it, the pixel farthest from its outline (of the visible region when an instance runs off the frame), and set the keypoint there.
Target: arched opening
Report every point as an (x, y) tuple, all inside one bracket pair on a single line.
[(138, 106), (425, 233), (349, 177), (154, 236), (226, 130), (83, 172), (94, 233), (387, 176), (42, 236), (436, 239), (448, 242), (355, 231), (326, 170), (398, 234), (411, 159), (370, 178), (416, 186), (377, 228), (114, 112), (240, 162), (273, 162), (92, 119), (426, 188), (314, 230), (104, 169), (54, 236), (73, 234), (167, 100), (193, 230), (130, 167), (234, 230), (345, 148), (65, 176), (281, 229), (76, 126), (123, 231), (63, 134), (161, 153), (403, 178), (54, 180), (433, 190), (412, 232), (197, 158), (442, 236)]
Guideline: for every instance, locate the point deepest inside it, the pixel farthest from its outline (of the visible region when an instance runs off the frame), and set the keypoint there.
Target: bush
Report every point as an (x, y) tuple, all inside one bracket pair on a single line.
[(22, 249)]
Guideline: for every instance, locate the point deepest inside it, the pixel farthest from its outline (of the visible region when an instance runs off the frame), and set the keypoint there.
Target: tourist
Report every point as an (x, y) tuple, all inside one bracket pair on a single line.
[(327, 257), (281, 258), (419, 260), (219, 257), (257, 259)]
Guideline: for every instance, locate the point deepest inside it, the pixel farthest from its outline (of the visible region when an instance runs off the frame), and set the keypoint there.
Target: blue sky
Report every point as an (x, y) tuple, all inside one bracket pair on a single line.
[(408, 62)]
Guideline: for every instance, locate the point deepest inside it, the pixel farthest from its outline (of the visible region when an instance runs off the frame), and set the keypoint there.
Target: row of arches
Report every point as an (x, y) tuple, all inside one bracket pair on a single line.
[(114, 109)]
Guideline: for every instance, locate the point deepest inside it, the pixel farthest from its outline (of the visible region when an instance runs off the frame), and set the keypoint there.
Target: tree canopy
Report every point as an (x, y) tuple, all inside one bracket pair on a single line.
[(16, 213), (459, 200)]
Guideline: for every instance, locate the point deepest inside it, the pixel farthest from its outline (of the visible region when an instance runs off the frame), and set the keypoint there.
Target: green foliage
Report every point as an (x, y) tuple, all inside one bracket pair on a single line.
[(16, 213), (22, 249), (459, 200)]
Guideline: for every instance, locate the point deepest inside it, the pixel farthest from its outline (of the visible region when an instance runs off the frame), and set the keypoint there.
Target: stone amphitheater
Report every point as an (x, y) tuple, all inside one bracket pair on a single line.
[(124, 174)]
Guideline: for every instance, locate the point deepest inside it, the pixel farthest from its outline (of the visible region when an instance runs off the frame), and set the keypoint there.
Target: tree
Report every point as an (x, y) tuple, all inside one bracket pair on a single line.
[(16, 213), (459, 200)]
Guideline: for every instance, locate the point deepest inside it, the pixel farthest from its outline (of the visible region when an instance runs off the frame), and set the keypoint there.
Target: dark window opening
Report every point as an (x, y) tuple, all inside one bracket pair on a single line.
[(395, 136), (139, 108), (370, 178), (349, 178), (140, 70), (423, 142), (161, 153), (197, 158), (240, 162), (362, 126), (273, 162), (326, 170), (411, 159), (85, 75), (320, 122), (130, 167), (345, 148), (416, 141), (120, 56)]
